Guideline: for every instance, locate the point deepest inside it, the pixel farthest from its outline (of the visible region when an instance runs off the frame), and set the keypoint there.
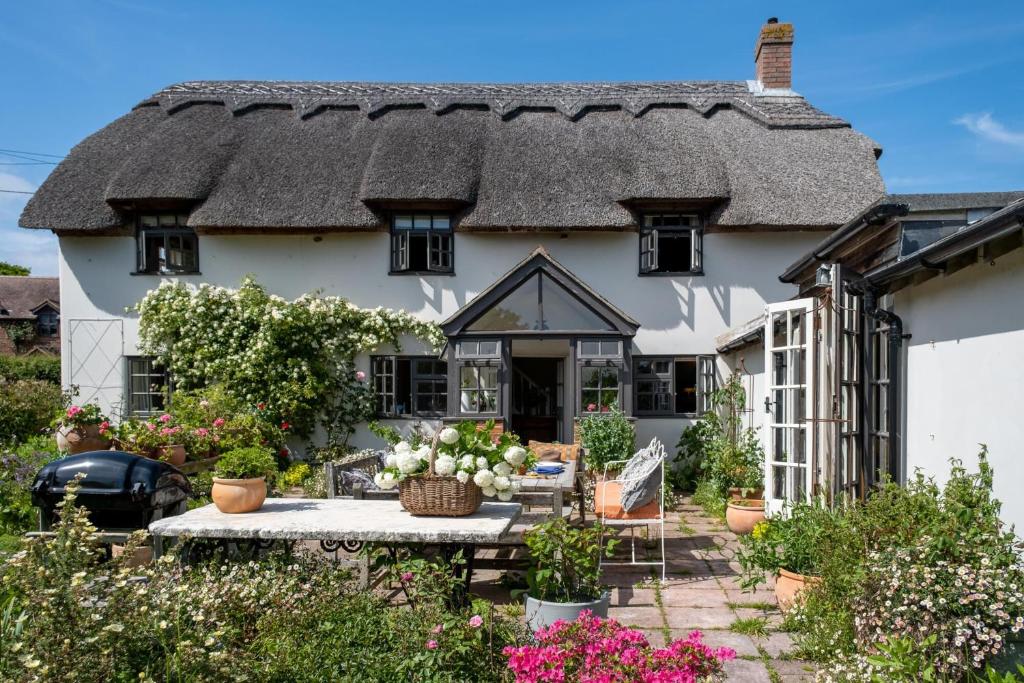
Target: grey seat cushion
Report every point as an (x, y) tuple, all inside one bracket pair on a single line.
[(642, 486)]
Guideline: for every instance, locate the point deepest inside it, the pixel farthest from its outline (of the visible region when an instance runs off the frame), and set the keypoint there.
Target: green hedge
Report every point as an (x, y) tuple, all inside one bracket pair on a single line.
[(46, 368), (26, 408)]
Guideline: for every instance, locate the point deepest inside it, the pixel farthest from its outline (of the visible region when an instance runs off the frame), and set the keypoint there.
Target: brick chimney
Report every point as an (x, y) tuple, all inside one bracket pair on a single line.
[(773, 56)]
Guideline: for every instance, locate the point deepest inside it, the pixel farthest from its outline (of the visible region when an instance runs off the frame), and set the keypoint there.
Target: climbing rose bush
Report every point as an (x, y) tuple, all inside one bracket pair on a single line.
[(596, 650), (296, 357)]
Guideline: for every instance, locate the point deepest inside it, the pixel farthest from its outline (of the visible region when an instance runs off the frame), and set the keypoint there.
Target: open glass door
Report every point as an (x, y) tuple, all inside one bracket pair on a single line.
[(788, 368)]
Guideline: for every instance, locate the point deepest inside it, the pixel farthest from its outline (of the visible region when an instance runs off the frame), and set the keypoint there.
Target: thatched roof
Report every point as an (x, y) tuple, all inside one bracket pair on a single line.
[(22, 296), (321, 156)]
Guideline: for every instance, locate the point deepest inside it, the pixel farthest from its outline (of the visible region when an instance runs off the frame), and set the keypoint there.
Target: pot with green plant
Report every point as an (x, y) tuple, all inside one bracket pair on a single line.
[(606, 436), (79, 429), (565, 577), (240, 479), (742, 514)]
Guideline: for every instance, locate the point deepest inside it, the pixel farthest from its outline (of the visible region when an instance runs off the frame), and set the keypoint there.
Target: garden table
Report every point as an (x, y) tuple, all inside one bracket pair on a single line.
[(556, 485), (343, 520)]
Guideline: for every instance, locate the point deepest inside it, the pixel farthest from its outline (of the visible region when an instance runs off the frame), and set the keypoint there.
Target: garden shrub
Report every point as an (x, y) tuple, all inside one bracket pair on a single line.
[(75, 619), (246, 463), (606, 436), (36, 366), (18, 468), (27, 407)]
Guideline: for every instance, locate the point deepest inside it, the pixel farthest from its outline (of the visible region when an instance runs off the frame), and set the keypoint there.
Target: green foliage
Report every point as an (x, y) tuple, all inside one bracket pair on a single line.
[(751, 626), (13, 269), (566, 561), (37, 366), (20, 333), (246, 463), (607, 436), (17, 471), (66, 617), (727, 455), (215, 421), (418, 434), (296, 357), (27, 407), (295, 475)]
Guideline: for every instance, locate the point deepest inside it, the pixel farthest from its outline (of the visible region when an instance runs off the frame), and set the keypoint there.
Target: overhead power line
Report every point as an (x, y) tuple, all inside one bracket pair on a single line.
[(17, 191), (35, 154)]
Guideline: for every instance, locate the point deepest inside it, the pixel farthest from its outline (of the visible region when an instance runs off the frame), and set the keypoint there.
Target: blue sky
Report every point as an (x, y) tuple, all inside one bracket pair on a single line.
[(937, 84)]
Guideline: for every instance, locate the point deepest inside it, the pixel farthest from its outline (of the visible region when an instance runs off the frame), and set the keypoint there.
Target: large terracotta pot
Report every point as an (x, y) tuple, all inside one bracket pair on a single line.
[(788, 586), (736, 493), (81, 440), (741, 516), (239, 495), (175, 455)]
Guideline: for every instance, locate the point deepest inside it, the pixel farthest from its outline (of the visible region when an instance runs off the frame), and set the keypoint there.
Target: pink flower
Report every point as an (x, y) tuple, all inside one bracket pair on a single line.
[(438, 629), (431, 644), (166, 431), (360, 375), (74, 410), (476, 621), (407, 577), (165, 418), (150, 426), (591, 407), (219, 422), (202, 431)]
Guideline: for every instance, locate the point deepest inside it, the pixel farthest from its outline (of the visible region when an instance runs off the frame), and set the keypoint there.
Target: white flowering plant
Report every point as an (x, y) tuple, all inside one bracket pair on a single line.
[(464, 451)]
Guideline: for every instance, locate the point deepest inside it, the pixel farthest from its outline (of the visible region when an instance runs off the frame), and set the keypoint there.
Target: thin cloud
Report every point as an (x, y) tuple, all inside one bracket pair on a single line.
[(987, 128), (36, 249)]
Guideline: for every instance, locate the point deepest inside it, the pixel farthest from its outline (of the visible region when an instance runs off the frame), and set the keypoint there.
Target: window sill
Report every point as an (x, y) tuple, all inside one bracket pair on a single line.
[(673, 416), (423, 273), (142, 273), (682, 273), (421, 416)]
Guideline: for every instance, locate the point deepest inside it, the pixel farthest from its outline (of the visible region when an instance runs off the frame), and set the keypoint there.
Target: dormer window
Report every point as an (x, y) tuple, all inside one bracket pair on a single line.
[(166, 245), (47, 322), (671, 244), (422, 243)]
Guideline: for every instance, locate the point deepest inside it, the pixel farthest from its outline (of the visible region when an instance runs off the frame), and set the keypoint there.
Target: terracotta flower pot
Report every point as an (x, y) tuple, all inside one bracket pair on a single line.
[(788, 586), (175, 455), (239, 495), (741, 516), (80, 440), (737, 493)]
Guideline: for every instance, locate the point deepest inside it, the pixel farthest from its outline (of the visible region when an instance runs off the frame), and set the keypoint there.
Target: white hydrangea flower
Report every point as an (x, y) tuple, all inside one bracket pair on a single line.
[(385, 480), (502, 469), (462, 476), (466, 462), (505, 496), (482, 464), (402, 447), (444, 466), (490, 492), (483, 478), (408, 463), (423, 452), (501, 483), (515, 456), (448, 436), (391, 460)]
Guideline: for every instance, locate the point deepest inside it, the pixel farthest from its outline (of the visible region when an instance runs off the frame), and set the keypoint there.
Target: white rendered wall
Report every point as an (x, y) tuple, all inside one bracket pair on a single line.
[(677, 315), (965, 374)]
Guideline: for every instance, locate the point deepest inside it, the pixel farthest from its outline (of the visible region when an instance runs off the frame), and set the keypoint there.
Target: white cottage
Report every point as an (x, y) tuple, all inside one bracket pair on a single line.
[(583, 244)]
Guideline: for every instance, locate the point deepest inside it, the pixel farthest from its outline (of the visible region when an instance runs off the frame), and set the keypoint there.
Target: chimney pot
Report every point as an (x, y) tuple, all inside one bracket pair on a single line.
[(773, 55)]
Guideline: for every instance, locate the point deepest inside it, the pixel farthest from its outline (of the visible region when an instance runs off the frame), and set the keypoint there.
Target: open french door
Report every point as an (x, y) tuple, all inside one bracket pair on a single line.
[(788, 366)]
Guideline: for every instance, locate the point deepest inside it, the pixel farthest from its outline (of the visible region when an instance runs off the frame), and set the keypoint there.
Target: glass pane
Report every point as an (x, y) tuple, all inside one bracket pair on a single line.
[(488, 401), (779, 329), (609, 399), (798, 335), (590, 348), (562, 311), (591, 378), (469, 348), (468, 402), (149, 221), (779, 482), (610, 348), (518, 310), (467, 377), (590, 400), (662, 367), (798, 358), (779, 367), (779, 445), (488, 378), (168, 220), (421, 222), (403, 222), (799, 452), (645, 402), (488, 348), (644, 367), (441, 223), (610, 377)]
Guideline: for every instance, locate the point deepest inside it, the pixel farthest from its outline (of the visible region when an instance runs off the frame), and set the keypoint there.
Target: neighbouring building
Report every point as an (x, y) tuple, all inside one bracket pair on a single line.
[(29, 315), (903, 348), (583, 244)]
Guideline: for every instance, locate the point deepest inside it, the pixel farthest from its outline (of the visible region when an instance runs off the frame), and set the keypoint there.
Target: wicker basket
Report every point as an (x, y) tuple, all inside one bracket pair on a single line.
[(429, 495)]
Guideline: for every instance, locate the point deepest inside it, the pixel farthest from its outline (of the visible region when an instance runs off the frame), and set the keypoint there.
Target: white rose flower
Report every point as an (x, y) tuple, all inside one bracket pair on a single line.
[(502, 469), (408, 463), (490, 492), (515, 456), (504, 496), (482, 464), (402, 447), (444, 466), (448, 436), (483, 478), (462, 476)]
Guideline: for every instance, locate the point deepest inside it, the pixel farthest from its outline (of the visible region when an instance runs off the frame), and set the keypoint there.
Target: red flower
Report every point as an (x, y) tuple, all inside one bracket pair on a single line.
[(283, 453), (261, 406), (285, 426)]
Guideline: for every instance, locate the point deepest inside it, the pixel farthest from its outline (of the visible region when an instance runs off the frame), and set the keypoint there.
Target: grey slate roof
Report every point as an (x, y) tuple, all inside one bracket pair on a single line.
[(953, 201), (278, 155), (21, 296)]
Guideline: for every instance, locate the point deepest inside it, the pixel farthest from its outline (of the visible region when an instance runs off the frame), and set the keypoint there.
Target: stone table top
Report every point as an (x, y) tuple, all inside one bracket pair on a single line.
[(338, 519), (565, 481)]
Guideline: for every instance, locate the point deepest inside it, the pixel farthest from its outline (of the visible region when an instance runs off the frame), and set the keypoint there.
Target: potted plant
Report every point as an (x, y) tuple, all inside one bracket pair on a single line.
[(565, 578), (742, 514), (240, 479), (605, 436), (82, 428), (159, 438)]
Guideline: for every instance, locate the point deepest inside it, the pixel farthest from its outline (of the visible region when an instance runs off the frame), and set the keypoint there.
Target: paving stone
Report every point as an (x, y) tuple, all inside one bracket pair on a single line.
[(696, 582), (794, 670), (746, 671), (642, 617), (627, 595), (775, 644), (697, 617), (742, 644), (656, 637), (693, 596), (740, 597), (773, 619)]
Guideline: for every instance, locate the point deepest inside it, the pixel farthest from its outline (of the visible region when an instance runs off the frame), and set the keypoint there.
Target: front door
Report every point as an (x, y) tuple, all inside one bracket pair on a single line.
[(536, 401), (788, 370)]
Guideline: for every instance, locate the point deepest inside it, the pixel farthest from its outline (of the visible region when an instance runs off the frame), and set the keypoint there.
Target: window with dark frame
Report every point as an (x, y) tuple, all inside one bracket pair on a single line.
[(673, 385), (601, 367), (671, 243), (409, 386), (166, 245), (148, 386), (422, 243), (47, 322), (478, 388)]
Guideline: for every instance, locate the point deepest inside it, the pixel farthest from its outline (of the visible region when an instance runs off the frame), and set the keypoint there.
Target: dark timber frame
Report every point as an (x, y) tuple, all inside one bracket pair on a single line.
[(619, 326)]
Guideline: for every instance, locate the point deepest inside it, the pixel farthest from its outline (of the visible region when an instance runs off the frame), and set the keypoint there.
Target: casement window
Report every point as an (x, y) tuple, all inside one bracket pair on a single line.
[(422, 243), (673, 385), (672, 244), (148, 386), (601, 368), (166, 245), (47, 322), (410, 386), (479, 368)]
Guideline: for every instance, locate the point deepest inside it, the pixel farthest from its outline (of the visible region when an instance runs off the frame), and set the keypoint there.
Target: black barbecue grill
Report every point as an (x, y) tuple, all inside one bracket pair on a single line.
[(121, 491)]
